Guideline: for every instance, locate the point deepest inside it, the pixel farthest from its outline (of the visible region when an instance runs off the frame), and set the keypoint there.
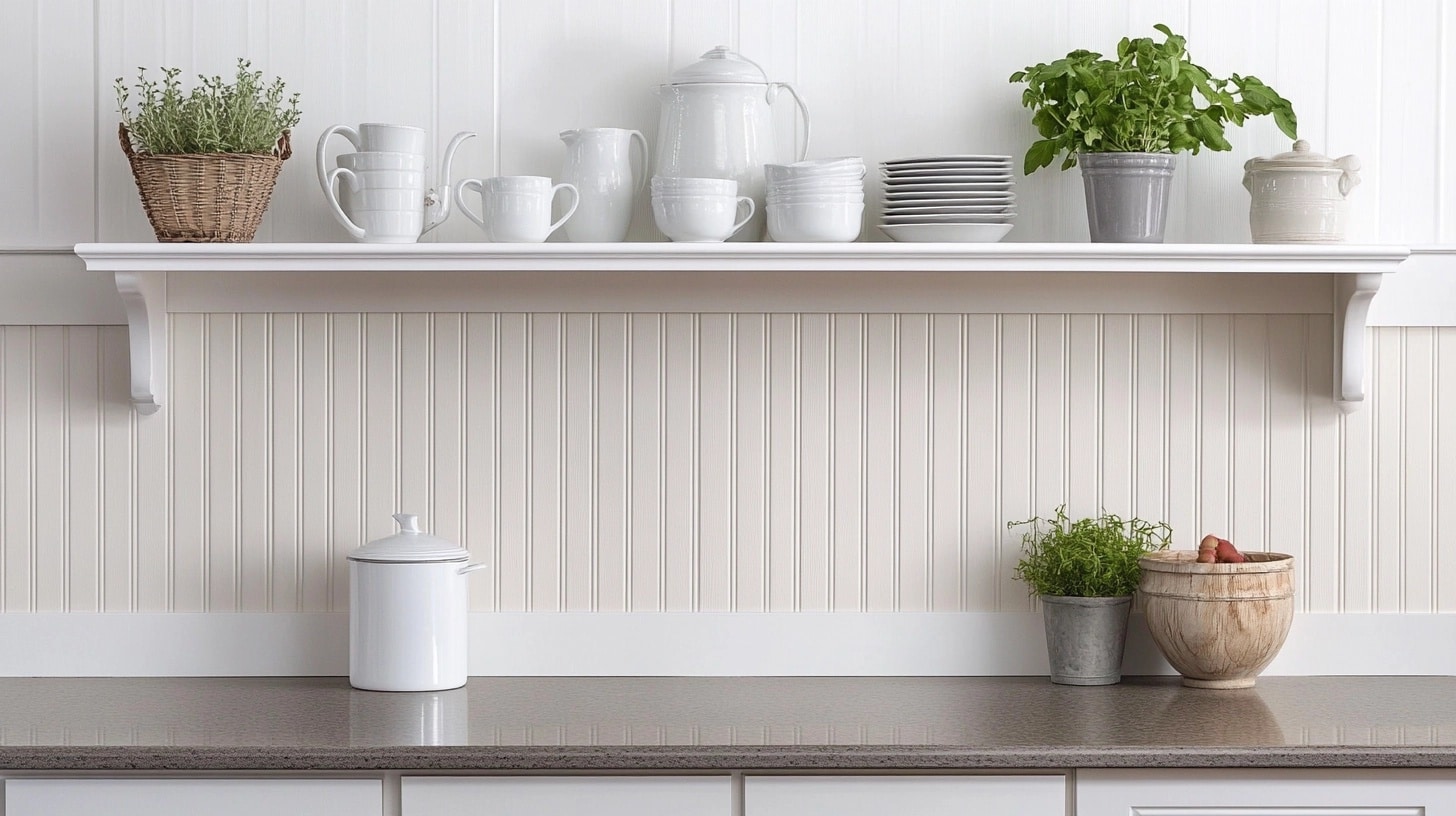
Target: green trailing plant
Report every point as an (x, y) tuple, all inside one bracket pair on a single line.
[(1087, 558), (245, 115), (1142, 101)]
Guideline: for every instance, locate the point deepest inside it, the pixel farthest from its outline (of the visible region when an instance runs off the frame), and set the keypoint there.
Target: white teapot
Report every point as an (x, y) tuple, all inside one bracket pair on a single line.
[(1299, 196), (717, 122)]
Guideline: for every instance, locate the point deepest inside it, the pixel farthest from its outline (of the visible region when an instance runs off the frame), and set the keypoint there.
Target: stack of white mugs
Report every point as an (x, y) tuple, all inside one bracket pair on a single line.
[(379, 192)]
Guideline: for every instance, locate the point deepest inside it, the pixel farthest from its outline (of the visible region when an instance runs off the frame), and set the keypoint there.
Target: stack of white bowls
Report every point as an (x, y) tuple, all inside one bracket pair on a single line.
[(964, 198), (699, 210), (816, 200)]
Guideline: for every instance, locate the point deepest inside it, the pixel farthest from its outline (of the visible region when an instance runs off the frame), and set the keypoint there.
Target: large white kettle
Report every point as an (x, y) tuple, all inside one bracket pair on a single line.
[(717, 122)]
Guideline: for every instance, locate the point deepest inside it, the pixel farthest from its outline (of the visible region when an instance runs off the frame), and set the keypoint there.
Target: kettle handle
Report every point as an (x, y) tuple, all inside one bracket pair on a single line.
[(321, 153), (773, 90), (469, 568), (339, 215), (641, 141)]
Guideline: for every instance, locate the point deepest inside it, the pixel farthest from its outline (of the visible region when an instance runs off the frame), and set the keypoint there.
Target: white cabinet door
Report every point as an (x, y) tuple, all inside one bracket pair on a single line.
[(1032, 795), (567, 796), (1266, 793), (186, 797)]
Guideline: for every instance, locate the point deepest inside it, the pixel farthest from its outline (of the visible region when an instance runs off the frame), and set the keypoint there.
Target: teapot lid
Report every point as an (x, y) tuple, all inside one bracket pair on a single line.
[(721, 64), (1300, 156), (409, 545)]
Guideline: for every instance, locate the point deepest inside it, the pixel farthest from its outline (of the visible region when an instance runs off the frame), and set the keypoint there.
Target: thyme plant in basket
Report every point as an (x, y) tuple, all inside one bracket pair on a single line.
[(1152, 98), (246, 115), (1086, 558)]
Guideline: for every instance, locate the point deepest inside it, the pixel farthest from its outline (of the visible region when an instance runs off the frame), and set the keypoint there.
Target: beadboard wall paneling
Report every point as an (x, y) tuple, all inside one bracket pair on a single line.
[(731, 462), (882, 78)]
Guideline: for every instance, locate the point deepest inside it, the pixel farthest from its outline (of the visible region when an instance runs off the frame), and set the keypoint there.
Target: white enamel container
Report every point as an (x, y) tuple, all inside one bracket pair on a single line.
[(408, 608), (1299, 196)]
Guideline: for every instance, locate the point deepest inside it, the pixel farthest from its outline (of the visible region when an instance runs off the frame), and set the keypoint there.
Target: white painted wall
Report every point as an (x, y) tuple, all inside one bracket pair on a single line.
[(726, 462), (883, 78)]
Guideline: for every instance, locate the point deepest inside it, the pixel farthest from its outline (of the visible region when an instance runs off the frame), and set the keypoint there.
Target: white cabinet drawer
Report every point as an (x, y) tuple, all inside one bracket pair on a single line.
[(567, 796), (1031, 795), (185, 797), (1266, 793)]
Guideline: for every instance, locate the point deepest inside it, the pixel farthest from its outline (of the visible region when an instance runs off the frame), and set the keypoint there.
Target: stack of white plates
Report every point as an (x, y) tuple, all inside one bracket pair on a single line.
[(816, 200), (965, 198)]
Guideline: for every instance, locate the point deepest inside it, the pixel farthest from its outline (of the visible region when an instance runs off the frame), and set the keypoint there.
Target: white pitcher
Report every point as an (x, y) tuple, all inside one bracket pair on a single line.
[(599, 164)]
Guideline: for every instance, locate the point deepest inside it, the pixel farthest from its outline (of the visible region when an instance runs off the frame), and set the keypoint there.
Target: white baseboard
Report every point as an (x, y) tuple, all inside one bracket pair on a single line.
[(655, 644)]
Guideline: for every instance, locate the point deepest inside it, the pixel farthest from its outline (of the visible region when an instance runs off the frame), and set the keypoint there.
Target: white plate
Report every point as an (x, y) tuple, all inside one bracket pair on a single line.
[(967, 218), (951, 201), (962, 210), (945, 167), (951, 157), (932, 183), (968, 173), (946, 233), (953, 190)]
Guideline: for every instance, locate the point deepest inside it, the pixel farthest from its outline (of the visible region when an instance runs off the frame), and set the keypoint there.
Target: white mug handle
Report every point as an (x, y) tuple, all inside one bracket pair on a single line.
[(641, 141), (470, 184), (575, 200), (339, 214), (749, 217), (323, 171)]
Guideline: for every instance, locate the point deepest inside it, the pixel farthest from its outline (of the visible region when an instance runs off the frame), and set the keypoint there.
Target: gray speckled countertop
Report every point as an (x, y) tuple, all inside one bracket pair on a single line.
[(723, 723)]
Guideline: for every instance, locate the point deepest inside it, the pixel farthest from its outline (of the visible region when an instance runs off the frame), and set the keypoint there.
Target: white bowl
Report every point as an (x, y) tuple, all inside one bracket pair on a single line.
[(838, 186), (949, 233), (793, 223), (853, 167), (700, 218), (816, 199), (673, 184)]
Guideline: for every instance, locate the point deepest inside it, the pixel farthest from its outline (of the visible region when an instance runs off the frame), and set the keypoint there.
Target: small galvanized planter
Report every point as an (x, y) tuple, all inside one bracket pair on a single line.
[(1085, 638), (1127, 195)]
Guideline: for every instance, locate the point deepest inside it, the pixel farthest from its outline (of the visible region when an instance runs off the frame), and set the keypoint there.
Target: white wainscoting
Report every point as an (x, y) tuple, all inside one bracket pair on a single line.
[(730, 462), (653, 644)]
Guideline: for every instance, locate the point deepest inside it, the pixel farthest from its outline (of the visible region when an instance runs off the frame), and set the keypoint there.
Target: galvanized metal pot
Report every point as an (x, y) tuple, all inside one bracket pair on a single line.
[(1127, 195), (1085, 638)]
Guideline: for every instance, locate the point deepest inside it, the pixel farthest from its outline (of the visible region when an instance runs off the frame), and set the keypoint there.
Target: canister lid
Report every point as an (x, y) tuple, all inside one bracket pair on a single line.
[(1300, 156), (721, 64), (409, 545)]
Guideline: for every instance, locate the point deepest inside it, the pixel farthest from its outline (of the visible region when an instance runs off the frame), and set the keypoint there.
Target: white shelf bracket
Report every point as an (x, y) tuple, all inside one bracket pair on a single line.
[(144, 294), (1353, 294)]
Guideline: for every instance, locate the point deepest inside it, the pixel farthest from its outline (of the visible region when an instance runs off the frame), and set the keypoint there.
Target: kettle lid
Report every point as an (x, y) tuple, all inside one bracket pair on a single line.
[(409, 545), (720, 64)]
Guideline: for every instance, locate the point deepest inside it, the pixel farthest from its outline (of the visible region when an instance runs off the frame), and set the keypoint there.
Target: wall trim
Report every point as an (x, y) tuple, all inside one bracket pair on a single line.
[(668, 643)]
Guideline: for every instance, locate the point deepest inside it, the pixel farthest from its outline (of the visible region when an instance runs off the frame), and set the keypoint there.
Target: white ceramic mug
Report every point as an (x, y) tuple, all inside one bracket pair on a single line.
[(378, 206), (700, 219), (516, 209)]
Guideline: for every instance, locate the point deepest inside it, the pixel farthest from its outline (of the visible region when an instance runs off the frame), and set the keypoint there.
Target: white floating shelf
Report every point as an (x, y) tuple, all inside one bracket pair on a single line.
[(154, 279)]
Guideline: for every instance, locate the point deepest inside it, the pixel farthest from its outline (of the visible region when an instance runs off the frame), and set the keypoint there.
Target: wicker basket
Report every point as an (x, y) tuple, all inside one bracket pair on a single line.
[(214, 198)]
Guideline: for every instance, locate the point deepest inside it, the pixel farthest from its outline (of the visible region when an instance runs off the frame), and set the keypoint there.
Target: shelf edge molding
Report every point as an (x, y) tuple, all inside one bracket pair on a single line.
[(141, 271)]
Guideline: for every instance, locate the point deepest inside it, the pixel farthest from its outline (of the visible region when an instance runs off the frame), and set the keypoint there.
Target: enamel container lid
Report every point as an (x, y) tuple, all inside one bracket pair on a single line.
[(721, 64), (409, 546)]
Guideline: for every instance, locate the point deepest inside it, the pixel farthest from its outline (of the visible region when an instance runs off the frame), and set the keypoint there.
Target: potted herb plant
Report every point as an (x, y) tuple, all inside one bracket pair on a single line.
[(205, 162), (1085, 573), (1124, 119)]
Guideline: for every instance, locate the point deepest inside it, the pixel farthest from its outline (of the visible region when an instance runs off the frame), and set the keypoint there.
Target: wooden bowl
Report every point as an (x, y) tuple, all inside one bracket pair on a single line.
[(1218, 624)]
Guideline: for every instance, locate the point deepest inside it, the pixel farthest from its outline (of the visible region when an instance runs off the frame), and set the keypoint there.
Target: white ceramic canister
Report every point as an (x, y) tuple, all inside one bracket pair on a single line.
[(407, 611), (1299, 196)]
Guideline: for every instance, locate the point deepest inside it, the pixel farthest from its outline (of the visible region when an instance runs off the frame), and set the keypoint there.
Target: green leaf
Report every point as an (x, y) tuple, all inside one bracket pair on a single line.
[(1288, 124), (1039, 155)]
